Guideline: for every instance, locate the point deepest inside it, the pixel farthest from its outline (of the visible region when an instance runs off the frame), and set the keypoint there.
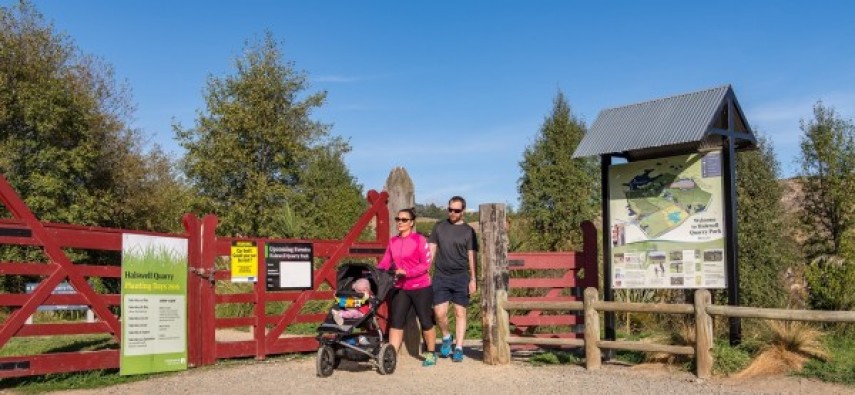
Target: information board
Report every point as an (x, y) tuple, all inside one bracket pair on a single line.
[(289, 266), (667, 228), (154, 304)]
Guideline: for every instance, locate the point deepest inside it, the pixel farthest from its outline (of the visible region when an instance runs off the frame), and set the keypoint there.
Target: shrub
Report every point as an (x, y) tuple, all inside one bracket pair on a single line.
[(729, 360)]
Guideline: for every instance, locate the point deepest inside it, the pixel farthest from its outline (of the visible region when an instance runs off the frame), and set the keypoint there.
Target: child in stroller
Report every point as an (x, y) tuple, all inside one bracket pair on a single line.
[(353, 306), (356, 337)]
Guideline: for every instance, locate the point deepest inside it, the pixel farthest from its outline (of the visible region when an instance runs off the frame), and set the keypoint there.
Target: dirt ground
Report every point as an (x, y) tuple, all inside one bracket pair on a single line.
[(296, 375)]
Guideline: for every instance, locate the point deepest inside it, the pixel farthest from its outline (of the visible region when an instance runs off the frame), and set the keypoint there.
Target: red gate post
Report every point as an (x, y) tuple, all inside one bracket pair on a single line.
[(207, 289), (194, 283), (589, 254), (261, 304)]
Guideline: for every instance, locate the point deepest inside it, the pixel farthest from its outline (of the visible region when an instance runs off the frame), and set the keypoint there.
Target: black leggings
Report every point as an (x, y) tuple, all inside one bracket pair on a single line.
[(420, 299)]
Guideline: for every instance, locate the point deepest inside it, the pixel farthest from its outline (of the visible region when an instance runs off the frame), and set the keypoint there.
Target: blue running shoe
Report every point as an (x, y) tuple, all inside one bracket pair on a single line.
[(445, 349), (429, 359), (458, 355)]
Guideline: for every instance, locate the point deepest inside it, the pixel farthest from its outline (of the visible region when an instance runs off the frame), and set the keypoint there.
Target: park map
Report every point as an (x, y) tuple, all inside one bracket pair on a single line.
[(666, 222)]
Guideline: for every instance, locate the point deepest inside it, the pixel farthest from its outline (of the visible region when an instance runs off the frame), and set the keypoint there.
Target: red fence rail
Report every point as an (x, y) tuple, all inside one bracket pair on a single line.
[(553, 277)]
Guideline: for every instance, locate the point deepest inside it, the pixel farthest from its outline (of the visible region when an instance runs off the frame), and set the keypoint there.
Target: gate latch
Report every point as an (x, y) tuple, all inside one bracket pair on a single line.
[(206, 274)]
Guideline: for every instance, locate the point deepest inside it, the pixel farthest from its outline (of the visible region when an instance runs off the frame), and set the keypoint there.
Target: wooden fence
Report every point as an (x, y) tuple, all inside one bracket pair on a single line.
[(702, 309), (497, 337)]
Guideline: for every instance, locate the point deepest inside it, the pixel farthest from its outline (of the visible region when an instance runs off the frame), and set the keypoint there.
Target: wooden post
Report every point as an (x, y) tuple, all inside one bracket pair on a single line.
[(593, 356), (704, 334), (402, 195), (494, 290)]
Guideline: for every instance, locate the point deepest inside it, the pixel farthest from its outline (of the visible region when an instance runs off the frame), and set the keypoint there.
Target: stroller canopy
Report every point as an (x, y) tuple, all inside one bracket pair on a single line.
[(381, 281)]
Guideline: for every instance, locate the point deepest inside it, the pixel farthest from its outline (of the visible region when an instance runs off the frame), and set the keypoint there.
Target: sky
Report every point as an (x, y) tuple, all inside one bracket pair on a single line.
[(454, 91)]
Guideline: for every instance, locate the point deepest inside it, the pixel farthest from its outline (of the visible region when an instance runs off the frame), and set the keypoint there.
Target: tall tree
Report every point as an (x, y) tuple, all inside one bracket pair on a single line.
[(330, 198), (254, 155), (828, 180), (828, 208), (557, 192), (65, 144), (765, 250)]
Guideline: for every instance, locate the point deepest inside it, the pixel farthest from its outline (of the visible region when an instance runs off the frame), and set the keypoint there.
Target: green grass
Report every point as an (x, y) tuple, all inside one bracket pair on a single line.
[(53, 344), (840, 368), (630, 357), (69, 381), (58, 381), (554, 358), (728, 360)]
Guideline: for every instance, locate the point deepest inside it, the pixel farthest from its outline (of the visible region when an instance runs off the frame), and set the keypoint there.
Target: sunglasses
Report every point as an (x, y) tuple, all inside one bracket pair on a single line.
[(455, 210), (402, 219)]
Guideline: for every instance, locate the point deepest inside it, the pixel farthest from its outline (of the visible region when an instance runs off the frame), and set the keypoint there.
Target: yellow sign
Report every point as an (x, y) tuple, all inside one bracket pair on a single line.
[(244, 260)]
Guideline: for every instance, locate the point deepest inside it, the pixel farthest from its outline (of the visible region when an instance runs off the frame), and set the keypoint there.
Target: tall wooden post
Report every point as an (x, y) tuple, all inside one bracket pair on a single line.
[(703, 334), (593, 355), (402, 195), (494, 290)]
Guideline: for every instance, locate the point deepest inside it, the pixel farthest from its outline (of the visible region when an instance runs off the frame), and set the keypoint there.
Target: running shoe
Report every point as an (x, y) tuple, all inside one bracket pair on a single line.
[(430, 359), (445, 349), (458, 355)]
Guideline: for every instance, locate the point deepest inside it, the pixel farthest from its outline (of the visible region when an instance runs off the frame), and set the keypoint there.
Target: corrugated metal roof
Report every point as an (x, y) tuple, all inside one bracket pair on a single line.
[(668, 121)]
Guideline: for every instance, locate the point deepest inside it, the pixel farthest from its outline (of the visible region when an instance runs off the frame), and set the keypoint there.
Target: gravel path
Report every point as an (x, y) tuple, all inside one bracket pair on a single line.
[(297, 376)]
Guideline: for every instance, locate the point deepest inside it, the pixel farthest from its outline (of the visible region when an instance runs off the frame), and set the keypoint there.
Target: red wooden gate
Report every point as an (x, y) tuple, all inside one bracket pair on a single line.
[(24, 229), (553, 277), (268, 329)]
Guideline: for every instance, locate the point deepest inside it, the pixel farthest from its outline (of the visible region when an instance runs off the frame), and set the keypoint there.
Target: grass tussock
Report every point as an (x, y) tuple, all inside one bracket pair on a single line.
[(682, 334), (790, 346)]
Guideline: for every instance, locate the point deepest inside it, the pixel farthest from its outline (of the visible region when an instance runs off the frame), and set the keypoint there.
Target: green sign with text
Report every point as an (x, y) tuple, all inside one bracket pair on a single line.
[(154, 304)]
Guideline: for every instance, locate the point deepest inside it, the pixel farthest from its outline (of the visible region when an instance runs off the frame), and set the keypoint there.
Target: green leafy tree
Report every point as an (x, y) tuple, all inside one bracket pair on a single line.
[(828, 208), (330, 199), (257, 159), (765, 250), (828, 180), (557, 192), (65, 144)]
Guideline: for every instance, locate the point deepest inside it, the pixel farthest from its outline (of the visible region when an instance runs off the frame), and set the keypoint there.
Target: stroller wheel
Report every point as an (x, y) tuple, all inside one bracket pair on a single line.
[(387, 359), (326, 361)]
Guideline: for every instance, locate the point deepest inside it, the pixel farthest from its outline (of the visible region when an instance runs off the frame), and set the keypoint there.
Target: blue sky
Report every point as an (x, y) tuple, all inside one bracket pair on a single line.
[(455, 90)]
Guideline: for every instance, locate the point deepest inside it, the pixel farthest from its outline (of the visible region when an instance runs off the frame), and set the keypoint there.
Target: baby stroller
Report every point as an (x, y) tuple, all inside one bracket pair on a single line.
[(358, 339)]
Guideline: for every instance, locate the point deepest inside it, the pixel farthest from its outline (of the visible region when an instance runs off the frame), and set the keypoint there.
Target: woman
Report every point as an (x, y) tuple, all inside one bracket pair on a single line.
[(408, 256)]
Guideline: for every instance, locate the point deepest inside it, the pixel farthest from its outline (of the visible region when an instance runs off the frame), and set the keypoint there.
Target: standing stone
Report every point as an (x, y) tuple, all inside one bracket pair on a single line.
[(402, 195)]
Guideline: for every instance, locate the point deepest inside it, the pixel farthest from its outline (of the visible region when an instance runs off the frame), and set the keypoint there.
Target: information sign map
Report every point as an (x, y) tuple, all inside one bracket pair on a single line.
[(667, 228)]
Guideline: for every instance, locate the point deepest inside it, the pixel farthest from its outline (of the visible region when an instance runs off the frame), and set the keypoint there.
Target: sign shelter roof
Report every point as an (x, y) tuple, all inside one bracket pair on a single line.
[(691, 122)]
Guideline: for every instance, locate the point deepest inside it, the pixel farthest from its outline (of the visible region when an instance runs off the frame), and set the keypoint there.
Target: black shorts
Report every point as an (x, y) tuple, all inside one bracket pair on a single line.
[(451, 288), (419, 299)]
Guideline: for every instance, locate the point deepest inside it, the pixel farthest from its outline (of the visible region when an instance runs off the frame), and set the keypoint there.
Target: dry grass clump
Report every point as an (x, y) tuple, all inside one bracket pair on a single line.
[(682, 333), (791, 344)]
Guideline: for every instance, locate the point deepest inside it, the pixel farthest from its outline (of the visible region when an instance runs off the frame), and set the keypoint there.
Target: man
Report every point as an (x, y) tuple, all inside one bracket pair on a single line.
[(453, 247)]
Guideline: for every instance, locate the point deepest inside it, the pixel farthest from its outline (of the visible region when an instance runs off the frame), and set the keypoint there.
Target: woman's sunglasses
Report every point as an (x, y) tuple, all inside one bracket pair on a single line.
[(402, 219)]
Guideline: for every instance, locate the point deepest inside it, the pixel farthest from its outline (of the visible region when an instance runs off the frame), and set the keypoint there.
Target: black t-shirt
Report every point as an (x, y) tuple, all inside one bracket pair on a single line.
[(453, 243)]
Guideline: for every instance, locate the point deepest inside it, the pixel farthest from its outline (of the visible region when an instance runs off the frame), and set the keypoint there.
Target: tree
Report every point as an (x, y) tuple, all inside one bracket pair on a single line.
[(65, 144), (255, 156), (557, 192), (828, 208), (331, 200), (828, 181), (765, 250)]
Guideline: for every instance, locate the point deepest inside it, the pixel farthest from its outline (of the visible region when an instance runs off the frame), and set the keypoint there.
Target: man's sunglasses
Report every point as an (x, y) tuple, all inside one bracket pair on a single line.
[(402, 219), (455, 210)]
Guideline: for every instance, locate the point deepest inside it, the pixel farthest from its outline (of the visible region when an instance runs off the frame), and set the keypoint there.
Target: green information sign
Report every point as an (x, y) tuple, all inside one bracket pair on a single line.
[(667, 228), (154, 304)]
